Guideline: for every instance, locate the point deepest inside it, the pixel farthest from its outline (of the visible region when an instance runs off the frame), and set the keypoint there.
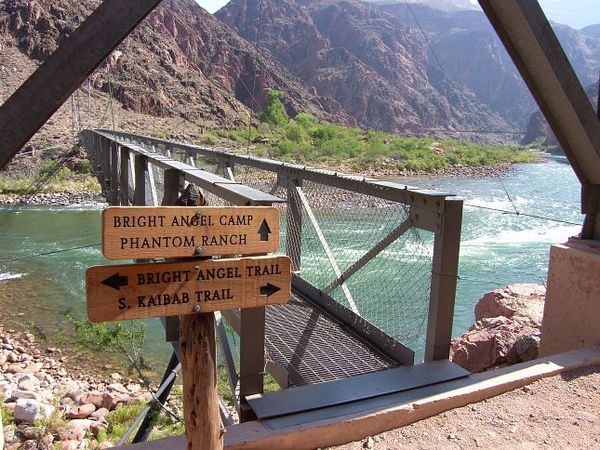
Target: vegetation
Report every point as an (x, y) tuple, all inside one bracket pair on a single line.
[(304, 139), (52, 176), (125, 338)]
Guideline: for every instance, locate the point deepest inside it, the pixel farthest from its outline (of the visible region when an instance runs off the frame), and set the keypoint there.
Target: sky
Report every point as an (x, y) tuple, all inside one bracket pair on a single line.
[(576, 13)]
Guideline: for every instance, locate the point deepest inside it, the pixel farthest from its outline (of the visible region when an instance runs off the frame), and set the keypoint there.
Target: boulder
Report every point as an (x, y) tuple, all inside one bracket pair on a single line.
[(524, 300), (29, 410), (99, 413), (81, 412), (110, 400), (95, 398), (20, 393), (14, 368), (75, 430), (506, 331)]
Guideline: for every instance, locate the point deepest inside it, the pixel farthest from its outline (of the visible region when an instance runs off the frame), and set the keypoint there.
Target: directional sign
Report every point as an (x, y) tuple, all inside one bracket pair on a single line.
[(177, 231), (138, 291)]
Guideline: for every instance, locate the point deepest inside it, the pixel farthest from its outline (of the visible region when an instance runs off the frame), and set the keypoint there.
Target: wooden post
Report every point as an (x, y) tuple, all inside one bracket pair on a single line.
[(197, 346), (199, 369)]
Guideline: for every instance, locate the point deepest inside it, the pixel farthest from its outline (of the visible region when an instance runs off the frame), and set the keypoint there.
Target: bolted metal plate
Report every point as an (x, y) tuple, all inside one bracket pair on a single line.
[(338, 392)]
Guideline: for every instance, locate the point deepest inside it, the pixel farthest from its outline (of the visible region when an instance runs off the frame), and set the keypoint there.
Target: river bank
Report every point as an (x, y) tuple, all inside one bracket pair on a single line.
[(53, 199), (50, 400), (80, 196)]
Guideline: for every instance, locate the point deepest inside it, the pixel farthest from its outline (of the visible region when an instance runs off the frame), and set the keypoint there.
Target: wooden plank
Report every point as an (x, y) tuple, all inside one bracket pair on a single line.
[(137, 291), (181, 231)]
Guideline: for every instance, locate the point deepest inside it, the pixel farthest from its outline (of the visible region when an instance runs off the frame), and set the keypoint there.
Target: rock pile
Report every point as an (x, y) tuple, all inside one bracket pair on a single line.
[(506, 331), (37, 388), (52, 199)]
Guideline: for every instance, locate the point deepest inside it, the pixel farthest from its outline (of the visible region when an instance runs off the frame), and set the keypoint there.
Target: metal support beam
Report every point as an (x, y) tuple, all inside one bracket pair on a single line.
[(228, 359), (34, 102), (444, 277), (252, 357), (293, 231), (140, 196), (124, 176), (536, 51), (367, 257)]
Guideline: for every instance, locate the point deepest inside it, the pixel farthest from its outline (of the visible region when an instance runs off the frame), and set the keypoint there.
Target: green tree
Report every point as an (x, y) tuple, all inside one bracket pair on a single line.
[(274, 112)]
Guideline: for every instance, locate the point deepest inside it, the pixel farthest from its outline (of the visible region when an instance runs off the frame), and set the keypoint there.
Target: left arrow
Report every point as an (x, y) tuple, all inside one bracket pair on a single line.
[(115, 281)]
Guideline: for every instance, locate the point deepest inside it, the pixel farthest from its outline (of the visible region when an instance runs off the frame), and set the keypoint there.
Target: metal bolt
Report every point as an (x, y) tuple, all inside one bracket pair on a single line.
[(196, 309), (198, 214), (197, 268), (198, 251)]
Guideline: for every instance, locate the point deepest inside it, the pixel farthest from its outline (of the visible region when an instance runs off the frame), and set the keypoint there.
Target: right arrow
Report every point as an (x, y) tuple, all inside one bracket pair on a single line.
[(269, 289), (115, 281), (264, 230)]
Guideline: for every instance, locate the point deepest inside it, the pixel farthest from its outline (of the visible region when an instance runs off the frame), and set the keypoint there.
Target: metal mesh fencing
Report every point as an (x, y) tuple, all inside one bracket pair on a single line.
[(335, 228)]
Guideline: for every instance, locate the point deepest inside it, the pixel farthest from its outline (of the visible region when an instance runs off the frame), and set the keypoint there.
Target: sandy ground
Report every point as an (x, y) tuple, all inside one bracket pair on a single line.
[(559, 412)]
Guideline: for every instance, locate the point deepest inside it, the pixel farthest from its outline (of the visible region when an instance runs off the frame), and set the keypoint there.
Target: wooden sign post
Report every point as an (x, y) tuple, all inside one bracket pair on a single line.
[(189, 288), (141, 291), (180, 231)]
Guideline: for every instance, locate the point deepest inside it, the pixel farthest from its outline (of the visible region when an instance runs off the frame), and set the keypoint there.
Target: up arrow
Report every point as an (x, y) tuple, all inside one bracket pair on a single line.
[(269, 289), (115, 281), (264, 230)]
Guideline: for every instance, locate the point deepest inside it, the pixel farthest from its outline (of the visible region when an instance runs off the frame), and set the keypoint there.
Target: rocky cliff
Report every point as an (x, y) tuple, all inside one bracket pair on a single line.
[(377, 68), (366, 64), (469, 50), (181, 61)]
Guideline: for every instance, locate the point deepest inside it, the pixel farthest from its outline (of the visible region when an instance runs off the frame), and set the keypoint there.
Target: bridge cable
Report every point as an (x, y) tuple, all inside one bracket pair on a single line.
[(53, 252), (522, 214)]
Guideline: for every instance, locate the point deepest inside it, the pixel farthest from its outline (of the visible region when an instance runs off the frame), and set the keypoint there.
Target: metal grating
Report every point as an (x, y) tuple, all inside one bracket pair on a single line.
[(314, 348)]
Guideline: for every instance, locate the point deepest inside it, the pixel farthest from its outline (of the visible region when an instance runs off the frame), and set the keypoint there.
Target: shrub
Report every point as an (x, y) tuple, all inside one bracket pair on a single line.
[(274, 112)]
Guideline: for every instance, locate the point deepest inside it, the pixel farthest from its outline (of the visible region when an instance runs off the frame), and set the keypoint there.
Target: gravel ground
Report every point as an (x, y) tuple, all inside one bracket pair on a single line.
[(559, 412)]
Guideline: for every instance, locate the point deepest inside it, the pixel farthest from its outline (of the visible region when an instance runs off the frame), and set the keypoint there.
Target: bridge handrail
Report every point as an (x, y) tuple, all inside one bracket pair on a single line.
[(124, 159)]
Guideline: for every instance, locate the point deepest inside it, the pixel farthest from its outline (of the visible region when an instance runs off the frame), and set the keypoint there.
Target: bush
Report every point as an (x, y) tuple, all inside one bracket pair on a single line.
[(274, 112), (306, 120), (85, 167), (53, 169)]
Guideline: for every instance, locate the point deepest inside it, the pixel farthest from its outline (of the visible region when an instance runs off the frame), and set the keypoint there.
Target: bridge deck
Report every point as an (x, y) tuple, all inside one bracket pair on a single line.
[(313, 347)]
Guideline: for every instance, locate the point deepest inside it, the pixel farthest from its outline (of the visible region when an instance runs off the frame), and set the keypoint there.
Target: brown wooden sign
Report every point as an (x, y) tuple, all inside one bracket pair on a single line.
[(139, 291), (140, 232)]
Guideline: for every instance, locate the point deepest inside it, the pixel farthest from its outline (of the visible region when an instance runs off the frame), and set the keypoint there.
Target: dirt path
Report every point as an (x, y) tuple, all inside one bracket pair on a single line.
[(557, 412)]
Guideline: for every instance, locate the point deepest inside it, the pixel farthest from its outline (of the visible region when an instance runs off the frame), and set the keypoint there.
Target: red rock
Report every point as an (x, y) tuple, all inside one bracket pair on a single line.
[(99, 413), (81, 412), (526, 300), (510, 336), (95, 398), (75, 430), (110, 400), (14, 368)]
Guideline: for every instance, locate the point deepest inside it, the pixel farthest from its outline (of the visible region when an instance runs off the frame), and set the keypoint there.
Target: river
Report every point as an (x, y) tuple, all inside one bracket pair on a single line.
[(497, 248)]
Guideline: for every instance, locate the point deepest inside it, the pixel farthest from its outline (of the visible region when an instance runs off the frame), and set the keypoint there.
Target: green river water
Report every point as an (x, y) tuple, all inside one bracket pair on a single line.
[(497, 248)]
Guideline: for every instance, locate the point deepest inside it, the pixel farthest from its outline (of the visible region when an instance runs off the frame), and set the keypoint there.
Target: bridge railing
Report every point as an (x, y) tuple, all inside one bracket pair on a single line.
[(382, 251)]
